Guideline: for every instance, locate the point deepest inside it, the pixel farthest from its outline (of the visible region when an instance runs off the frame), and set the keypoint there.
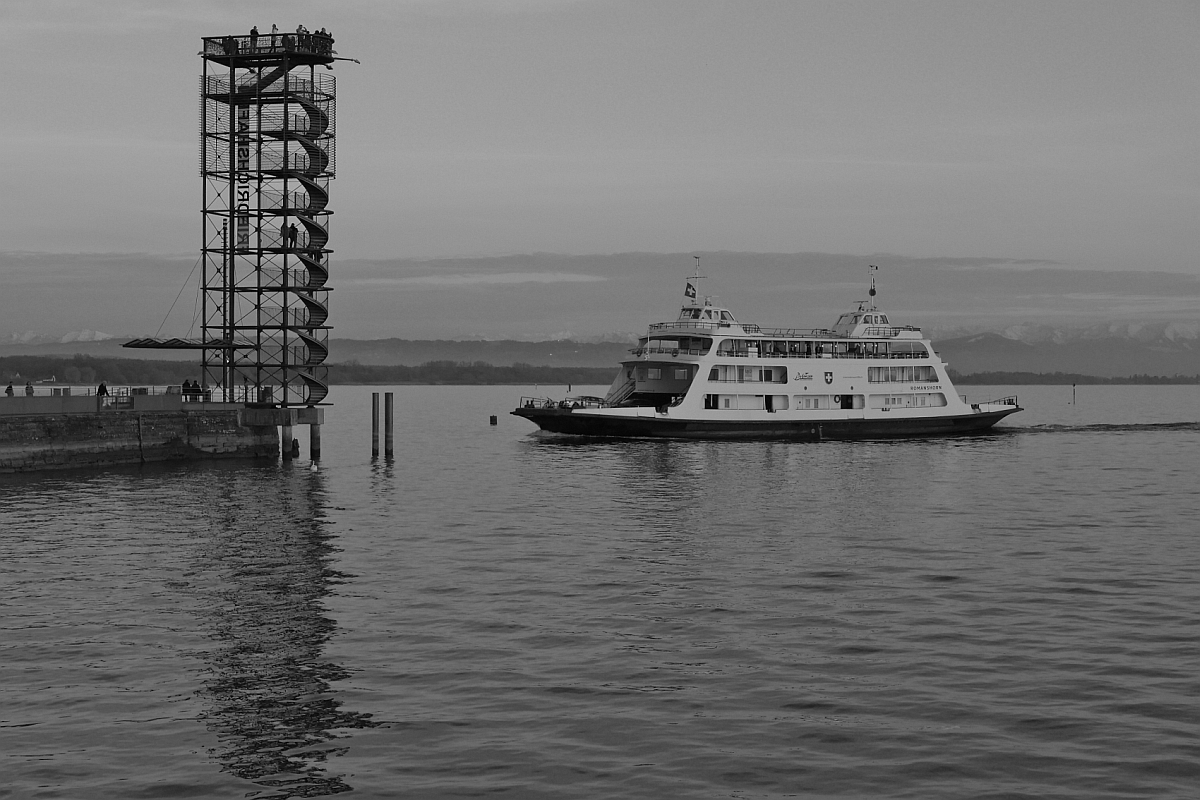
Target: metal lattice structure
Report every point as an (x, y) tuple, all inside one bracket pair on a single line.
[(267, 155)]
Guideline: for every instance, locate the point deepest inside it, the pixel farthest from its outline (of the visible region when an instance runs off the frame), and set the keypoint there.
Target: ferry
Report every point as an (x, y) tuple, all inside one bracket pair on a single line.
[(707, 376)]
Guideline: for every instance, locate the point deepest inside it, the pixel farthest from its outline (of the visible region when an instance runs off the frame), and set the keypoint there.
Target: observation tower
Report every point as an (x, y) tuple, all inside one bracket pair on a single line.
[(267, 156)]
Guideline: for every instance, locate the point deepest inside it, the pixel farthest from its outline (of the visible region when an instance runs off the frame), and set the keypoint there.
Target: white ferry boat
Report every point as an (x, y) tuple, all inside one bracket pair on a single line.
[(708, 376)]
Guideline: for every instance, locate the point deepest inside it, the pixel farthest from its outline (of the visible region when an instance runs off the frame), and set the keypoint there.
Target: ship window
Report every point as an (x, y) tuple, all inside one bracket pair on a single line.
[(883, 319), (654, 374), (681, 374), (727, 402), (725, 315), (901, 375), (713, 374), (642, 374)]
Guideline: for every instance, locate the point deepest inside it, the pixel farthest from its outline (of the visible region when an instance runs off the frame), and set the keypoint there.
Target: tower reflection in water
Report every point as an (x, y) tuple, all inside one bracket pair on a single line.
[(263, 567)]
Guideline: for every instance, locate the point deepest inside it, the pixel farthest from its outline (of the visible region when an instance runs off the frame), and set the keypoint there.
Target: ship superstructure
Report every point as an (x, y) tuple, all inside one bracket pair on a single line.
[(707, 375)]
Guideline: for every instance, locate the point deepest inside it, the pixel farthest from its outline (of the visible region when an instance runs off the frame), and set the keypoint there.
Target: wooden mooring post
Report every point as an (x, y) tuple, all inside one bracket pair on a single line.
[(374, 424), (387, 425)]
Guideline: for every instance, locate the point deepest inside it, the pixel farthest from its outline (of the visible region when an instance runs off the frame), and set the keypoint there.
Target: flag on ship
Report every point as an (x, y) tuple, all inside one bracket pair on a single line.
[(690, 291)]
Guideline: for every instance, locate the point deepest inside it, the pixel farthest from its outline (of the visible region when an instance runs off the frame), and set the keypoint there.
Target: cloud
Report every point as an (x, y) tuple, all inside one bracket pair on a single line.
[(476, 279)]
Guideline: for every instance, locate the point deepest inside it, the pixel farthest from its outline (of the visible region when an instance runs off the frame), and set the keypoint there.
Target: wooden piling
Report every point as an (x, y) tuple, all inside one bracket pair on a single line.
[(286, 438), (374, 424), (387, 425), (314, 442)]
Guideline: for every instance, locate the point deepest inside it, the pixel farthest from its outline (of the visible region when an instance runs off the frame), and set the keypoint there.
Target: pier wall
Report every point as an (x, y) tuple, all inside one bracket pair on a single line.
[(30, 442)]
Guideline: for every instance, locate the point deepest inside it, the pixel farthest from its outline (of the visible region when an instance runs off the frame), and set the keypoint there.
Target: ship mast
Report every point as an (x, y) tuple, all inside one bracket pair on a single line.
[(691, 292)]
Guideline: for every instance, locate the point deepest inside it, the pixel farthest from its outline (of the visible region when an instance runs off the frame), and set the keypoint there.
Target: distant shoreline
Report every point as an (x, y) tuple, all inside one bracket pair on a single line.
[(1066, 379), (133, 371)]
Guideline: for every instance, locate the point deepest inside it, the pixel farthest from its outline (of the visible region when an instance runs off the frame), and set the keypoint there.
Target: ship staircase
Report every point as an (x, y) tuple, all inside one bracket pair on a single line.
[(621, 393)]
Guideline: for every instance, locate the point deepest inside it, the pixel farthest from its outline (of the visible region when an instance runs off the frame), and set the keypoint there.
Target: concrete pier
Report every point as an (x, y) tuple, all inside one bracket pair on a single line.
[(32, 442)]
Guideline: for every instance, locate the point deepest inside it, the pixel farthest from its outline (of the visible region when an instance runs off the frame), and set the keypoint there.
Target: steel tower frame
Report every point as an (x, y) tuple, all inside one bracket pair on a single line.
[(267, 155)]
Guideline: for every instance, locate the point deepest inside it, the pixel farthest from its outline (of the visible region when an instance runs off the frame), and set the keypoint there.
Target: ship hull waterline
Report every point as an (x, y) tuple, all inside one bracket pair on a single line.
[(575, 422)]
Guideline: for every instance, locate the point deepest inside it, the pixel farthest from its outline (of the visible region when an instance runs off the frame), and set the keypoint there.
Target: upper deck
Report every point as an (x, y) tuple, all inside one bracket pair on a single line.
[(269, 48), (732, 327)]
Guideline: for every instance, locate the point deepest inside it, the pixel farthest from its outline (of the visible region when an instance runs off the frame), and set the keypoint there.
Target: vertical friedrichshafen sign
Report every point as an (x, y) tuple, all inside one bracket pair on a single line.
[(244, 183)]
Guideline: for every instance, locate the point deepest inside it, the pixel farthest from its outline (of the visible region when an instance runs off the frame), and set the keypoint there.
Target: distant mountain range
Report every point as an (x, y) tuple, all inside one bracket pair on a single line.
[(1110, 350), (1165, 349), (30, 337)]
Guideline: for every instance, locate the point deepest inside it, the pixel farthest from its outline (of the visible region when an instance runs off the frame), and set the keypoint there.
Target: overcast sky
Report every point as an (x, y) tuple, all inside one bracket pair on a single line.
[(1062, 133)]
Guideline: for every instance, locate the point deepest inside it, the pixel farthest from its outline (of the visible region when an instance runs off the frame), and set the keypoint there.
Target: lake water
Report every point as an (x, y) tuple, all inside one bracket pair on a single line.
[(514, 615)]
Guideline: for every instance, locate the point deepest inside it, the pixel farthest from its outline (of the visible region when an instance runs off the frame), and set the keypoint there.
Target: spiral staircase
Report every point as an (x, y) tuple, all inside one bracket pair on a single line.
[(266, 157)]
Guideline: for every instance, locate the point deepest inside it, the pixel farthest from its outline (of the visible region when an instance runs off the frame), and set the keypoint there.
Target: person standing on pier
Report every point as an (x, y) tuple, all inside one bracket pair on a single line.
[(254, 38)]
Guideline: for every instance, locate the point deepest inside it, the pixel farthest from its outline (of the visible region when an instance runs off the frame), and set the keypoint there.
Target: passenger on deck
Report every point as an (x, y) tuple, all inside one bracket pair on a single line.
[(101, 390), (9, 390), (254, 38), (28, 389)]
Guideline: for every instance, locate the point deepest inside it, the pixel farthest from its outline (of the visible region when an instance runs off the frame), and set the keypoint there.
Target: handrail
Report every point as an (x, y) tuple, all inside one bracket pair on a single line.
[(672, 351), (269, 43), (1011, 400), (881, 356), (689, 325), (568, 403)]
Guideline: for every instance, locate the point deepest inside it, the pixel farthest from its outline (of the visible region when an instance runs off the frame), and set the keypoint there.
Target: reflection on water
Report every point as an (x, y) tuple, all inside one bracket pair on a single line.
[(262, 566)]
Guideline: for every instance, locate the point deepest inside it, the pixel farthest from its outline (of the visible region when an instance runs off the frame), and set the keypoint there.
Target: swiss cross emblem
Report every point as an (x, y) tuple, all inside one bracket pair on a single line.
[(829, 377)]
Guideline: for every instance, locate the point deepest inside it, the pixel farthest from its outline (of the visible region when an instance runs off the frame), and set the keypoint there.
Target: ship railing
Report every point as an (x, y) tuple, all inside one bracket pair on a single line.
[(745, 382), (748, 354), (793, 332), (691, 325), (670, 351), (1010, 400), (567, 403), (889, 331)]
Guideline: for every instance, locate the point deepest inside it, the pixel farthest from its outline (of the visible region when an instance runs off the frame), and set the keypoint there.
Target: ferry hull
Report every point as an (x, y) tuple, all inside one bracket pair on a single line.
[(579, 423)]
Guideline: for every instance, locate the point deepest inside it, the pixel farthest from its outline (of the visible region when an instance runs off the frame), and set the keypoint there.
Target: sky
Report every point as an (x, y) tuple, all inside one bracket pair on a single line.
[(569, 147)]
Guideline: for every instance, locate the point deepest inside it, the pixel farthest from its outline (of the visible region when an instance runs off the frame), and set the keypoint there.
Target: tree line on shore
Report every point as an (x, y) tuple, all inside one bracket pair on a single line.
[(85, 370)]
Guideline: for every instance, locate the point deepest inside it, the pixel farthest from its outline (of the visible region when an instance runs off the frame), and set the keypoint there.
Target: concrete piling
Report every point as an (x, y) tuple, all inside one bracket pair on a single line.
[(286, 439), (314, 442)]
